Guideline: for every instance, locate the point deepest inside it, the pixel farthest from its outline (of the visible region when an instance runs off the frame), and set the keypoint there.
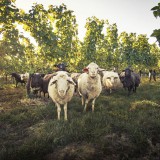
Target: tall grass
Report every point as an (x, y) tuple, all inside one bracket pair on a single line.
[(121, 127)]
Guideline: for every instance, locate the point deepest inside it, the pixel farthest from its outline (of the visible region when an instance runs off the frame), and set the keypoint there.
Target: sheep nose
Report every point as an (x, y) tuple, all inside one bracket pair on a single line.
[(93, 72), (62, 93)]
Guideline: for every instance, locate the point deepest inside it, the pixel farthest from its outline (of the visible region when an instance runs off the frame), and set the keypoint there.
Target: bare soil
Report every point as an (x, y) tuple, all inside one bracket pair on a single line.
[(10, 96)]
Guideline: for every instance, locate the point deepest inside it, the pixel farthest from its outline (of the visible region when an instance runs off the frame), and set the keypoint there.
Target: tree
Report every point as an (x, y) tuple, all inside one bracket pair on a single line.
[(111, 45), (11, 51), (126, 50), (92, 39), (143, 57), (156, 13), (37, 24), (66, 32), (55, 31), (155, 53), (9, 14)]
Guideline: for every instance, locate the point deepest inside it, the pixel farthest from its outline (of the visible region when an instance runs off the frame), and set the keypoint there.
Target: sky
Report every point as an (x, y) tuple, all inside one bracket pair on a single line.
[(131, 16)]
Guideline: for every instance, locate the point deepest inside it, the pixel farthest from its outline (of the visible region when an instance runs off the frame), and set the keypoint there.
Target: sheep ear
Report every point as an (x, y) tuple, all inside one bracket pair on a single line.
[(101, 69), (70, 80), (85, 70), (53, 82), (54, 74), (54, 79)]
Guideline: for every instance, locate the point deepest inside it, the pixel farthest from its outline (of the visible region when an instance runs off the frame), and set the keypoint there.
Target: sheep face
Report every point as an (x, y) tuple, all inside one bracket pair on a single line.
[(24, 76), (128, 72), (36, 81), (111, 80), (61, 66), (92, 69), (62, 82)]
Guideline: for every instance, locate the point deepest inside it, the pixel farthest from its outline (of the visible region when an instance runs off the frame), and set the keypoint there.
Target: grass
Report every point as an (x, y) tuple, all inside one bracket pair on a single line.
[(121, 127)]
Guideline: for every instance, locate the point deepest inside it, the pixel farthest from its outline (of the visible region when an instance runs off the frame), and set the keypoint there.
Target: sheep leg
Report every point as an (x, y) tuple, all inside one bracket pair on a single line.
[(135, 89), (58, 110), (86, 103), (65, 111), (129, 90), (82, 100), (93, 103), (39, 95), (16, 84)]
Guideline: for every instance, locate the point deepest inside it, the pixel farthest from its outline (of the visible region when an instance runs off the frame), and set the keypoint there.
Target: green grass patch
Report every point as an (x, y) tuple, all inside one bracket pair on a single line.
[(122, 127)]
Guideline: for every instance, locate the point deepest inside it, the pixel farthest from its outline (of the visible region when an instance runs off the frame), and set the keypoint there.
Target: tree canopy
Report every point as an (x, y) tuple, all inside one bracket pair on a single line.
[(55, 31)]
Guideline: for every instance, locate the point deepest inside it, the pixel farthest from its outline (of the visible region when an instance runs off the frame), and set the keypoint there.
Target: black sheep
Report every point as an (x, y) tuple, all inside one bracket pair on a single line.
[(131, 80), (17, 78), (61, 67), (34, 84), (45, 83)]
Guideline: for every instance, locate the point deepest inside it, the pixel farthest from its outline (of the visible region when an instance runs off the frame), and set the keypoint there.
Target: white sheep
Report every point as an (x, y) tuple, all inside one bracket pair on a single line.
[(61, 90), (89, 84), (24, 76), (111, 80)]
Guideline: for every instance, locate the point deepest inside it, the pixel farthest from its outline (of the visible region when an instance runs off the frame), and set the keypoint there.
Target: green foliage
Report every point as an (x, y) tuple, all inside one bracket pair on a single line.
[(56, 34), (110, 46), (156, 33), (156, 10), (92, 39), (156, 13), (36, 22), (10, 44), (9, 13)]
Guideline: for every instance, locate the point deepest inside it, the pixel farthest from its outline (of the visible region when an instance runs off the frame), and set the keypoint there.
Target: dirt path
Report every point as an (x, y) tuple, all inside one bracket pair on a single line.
[(9, 97)]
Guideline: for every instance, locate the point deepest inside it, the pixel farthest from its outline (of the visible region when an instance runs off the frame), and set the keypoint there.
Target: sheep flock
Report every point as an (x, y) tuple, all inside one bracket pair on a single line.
[(61, 86)]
